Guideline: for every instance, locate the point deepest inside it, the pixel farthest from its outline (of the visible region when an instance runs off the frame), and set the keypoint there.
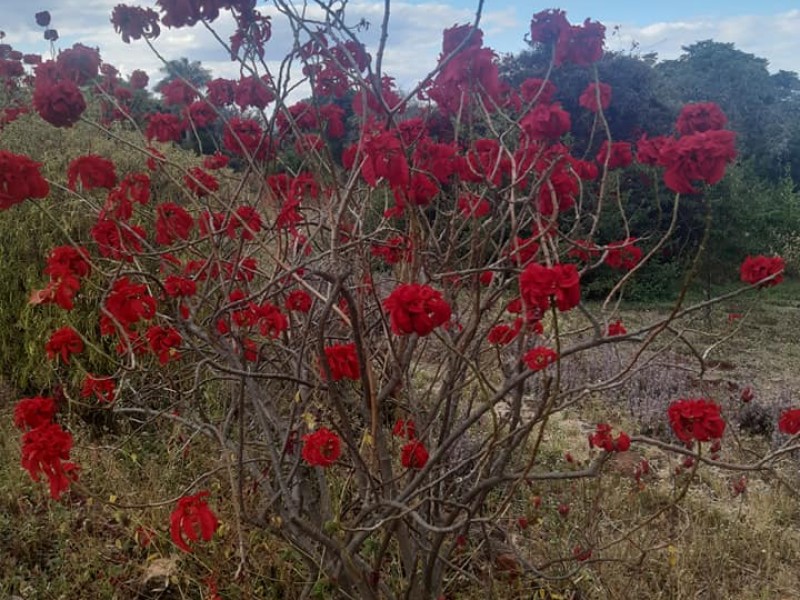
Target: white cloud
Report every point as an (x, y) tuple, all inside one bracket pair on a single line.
[(773, 37)]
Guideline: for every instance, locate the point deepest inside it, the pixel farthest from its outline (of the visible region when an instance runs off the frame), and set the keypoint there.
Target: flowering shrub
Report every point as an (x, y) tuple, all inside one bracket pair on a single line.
[(391, 283)]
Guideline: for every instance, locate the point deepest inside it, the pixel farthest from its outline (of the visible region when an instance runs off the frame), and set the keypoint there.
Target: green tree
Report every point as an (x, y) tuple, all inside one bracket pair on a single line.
[(182, 68)]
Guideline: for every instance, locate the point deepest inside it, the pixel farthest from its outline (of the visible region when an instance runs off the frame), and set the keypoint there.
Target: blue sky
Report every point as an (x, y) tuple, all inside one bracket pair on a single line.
[(766, 28)]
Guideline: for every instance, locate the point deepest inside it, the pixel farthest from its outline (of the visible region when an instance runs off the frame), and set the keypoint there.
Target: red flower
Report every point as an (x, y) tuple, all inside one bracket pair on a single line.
[(589, 97), (44, 450), (755, 269), (91, 171), (413, 455), (128, 303), (164, 127), (42, 18), (220, 92), (394, 250), (540, 90), (114, 240), (546, 122), (539, 358), (621, 155), (696, 419), (473, 206), (164, 342), (321, 448), (697, 157), (548, 26), (405, 428), (179, 287), (139, 79), (700, 117), (602, 439), (245, 137), (271, 321), (580, 45), (64, 343), (299, 301), (502, 335), (184, 13), (246, 218), (384, 159), (79, 64), (538, 283), (416, 308), (178, 93), (648, 150), (789, 422), (172, 222), (30, 413), (215, 161), (191, 520), (343, 362), (101, 388), (20, 179), (254, 92), (200, 183), (59, 103), (616, 328), (623, 255)]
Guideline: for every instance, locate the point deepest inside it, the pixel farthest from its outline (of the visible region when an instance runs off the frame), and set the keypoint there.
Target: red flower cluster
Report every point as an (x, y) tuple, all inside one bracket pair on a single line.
[(128, 303), (700, 117), (538, 284), (623, 255), (540, 358), (30, 413), (502, 335), (58, 101), (192, 519), (619, 157), (172, 223), (696, 419), (394, 250), (589, 97), (164, 127), (164, 342), (64, 343), (101, 388), (244, 137), (697, 157), (92, 171), (135, 23), (574, 44), (44, 452), (413, 455), (789, 422), (603, 439), (321, 448), (200, 182), (416, 308), (616, 328), (342, 361), (66, 265), (405, 428), (472, 72), (755, 269), (298, 301), (20, 179)]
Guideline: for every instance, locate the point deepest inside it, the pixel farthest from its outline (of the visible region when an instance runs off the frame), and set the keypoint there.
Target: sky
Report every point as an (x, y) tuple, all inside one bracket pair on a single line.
[(767, 28)]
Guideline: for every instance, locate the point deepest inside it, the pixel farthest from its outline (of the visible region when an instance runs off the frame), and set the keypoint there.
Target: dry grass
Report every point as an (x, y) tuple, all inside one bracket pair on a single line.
[(711, 546)]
